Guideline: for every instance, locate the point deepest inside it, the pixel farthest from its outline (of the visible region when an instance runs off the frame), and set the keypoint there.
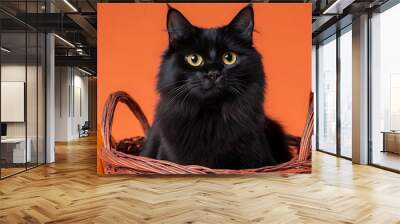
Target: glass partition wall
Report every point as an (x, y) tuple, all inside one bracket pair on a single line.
[(22, 99), (334, 93)]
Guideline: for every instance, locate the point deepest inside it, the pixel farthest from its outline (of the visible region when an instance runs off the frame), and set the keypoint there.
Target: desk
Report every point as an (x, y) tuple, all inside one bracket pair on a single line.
[(391, 141), (13, 150)]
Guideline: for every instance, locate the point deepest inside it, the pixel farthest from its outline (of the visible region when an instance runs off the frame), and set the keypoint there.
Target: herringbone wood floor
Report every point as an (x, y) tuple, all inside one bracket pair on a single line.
[(69, 191)]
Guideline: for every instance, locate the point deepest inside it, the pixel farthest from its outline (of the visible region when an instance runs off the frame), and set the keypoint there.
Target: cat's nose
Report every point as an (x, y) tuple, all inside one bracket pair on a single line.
[(213, 75)]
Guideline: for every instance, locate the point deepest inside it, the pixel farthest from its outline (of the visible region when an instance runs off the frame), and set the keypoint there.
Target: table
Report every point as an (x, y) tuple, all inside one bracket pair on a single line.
[(13, 150), (391, 141)]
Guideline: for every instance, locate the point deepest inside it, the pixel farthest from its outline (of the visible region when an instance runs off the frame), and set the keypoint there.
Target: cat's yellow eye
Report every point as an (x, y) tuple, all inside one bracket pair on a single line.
[(229, 58), (194, 60)]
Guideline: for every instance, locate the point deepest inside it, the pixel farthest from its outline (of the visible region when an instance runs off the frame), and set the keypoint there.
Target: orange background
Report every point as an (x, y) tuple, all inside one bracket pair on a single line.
[(132, 38)]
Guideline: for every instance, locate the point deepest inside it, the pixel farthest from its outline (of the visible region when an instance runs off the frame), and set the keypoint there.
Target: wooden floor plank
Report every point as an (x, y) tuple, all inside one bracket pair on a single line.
[(69, 191)]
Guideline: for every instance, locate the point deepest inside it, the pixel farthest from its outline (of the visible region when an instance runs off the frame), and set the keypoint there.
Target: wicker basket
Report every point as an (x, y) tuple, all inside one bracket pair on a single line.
[(126, 161)]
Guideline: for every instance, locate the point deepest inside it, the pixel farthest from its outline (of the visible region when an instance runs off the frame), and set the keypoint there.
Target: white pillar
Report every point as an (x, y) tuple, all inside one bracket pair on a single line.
[(50, 98), (360, 90)]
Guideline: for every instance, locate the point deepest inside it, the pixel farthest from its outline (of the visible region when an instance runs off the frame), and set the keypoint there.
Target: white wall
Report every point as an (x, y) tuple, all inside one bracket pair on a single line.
[(80, 84), (61, 103), (16, 73), (71, 102)]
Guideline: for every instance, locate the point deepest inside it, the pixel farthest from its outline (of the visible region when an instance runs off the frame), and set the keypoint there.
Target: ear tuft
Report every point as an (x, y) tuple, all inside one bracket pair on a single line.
[(243, 23), (178, 26)]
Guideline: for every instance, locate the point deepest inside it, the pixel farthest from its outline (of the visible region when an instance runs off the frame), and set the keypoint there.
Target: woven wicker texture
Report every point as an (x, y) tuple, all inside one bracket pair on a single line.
[(122, 157)]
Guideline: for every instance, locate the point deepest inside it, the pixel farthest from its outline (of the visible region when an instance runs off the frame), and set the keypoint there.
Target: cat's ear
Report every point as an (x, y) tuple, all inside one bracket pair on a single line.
[(178, 26), (243, 23)]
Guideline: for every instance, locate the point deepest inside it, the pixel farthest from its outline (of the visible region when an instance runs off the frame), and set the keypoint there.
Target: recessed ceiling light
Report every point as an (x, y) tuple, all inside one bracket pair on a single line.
[(64, 40), (5, 50), (84, 71), (70, 5), (337, 7)]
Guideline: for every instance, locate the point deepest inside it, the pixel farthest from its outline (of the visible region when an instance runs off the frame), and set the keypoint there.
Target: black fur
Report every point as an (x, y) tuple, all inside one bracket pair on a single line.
[(217, 122)]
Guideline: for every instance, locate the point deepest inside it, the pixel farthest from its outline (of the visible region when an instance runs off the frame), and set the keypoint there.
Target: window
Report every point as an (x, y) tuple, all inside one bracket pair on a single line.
[(385, 89), (327, 95), (346, 93), (335, 74)]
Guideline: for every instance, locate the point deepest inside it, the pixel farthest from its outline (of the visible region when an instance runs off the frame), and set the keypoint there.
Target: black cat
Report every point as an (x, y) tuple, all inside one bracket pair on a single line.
[(211, 85)]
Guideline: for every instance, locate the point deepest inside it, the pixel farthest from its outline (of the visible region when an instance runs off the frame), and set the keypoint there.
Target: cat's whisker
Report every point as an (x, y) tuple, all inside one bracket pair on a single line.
[(175, 97), (176, 89), (235, 80), (185, 97), (181, 90), (171, 85), (238, 88)]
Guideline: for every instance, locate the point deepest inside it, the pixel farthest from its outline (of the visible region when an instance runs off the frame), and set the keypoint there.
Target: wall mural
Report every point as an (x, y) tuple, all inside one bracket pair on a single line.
[(196, 88)]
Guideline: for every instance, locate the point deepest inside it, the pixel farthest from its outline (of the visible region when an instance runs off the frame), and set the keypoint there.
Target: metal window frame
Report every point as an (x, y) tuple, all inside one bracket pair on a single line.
[(339, 32)]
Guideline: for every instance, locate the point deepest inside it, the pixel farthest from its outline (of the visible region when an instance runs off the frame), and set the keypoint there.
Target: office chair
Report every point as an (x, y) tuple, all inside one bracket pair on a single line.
[(84, 130)]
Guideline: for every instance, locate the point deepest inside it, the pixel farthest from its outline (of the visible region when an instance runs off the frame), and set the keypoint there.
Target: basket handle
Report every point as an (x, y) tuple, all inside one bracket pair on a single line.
[(109, 111), (305, 143)]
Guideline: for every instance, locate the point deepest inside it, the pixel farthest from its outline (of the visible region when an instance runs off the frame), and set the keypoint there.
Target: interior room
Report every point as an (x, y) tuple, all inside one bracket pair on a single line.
[(51, 127), (385, 90), (22, 100)]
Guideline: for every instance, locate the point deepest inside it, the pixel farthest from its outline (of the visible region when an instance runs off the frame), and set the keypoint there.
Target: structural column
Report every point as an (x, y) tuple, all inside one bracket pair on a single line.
[(50, 92), (360, 89)]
